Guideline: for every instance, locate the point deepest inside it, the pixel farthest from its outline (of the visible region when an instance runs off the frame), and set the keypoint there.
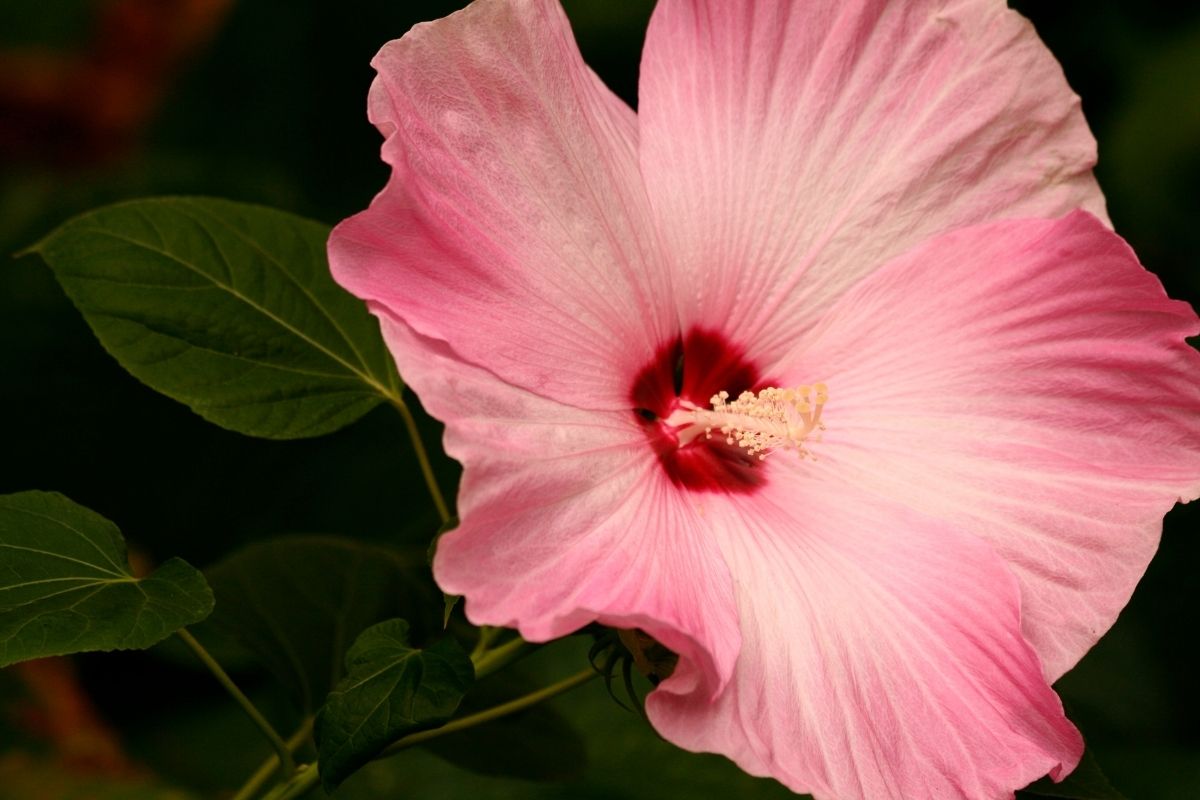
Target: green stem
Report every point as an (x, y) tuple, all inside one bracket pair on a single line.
[(281, 748), (495, 712), (422, 457), (487, 635), (488, 661), (255, 782), (304, 780), (308, 775)]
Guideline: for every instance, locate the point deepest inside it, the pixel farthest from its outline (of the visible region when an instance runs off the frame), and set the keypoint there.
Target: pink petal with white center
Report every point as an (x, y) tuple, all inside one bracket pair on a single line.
[(790, 148), (515, 225), (567, 519), (1027, 381), (882, 656)]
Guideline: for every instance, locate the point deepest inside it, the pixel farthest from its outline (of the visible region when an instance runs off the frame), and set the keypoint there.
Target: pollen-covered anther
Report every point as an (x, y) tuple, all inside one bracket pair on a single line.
[(761, 422)]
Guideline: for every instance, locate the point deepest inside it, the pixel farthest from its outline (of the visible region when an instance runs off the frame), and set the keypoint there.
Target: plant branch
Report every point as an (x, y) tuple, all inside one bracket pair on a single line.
[(488, 661), (308, 776), (489, 714), (255, 782), (281, 748), (410, 424)]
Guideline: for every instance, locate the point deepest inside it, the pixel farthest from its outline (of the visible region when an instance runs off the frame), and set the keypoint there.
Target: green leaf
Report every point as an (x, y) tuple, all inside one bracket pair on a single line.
[(227, 307), (298, 602), (1087, 782), (66, 586), (391, 689)]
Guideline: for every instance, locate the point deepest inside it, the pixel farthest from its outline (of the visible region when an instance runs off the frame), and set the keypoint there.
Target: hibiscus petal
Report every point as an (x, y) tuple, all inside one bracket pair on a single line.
[(568, 519), (1030, 382), (790, 148), (515, 191), (882, 656)]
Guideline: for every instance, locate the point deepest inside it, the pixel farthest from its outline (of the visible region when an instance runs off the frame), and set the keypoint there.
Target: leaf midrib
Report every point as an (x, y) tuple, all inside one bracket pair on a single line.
[(267, 256), (99, 584), (365, 377)]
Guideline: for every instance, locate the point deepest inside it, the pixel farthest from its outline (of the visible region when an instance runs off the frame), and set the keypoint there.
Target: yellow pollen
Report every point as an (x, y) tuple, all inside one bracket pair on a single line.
[(761, 423)]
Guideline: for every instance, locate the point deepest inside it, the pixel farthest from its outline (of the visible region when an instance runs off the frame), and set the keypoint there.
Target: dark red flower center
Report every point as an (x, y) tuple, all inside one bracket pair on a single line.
[(693, 368)]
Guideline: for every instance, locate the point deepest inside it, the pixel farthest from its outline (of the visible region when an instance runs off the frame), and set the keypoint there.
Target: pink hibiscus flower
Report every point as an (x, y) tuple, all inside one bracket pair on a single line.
[(873, 585)]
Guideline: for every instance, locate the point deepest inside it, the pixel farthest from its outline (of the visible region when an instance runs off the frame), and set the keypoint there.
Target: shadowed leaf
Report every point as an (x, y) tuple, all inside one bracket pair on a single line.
[(298, 602)]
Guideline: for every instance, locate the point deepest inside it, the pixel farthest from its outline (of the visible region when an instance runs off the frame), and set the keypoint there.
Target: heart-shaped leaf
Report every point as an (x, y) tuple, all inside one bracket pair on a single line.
[(66, 586), (391, 689), (227, 307)]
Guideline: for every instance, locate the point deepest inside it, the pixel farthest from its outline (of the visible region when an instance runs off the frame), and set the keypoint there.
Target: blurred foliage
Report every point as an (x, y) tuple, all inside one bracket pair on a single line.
[(298, 603), (263, 101), (22, 777)]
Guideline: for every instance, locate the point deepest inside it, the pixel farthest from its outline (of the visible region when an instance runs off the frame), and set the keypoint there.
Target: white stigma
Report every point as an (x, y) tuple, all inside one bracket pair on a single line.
[(761, 423)]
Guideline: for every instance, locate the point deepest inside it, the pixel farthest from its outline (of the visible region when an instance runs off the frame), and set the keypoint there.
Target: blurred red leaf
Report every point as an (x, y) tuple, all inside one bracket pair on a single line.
[(87, 106)]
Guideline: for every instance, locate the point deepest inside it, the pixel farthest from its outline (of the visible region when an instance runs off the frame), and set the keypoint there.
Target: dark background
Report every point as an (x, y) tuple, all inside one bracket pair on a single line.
[(263, 100)]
